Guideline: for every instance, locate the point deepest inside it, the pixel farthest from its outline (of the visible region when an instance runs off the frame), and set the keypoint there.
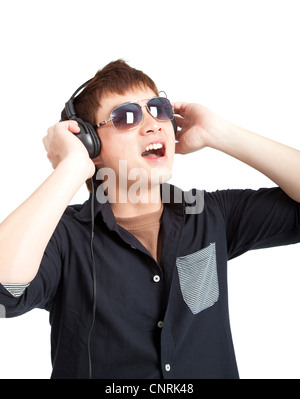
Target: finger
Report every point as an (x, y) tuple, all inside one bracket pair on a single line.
[(179, 121), (179, 108), (179, 148), (71, 125), (179, 134), (45, 142)]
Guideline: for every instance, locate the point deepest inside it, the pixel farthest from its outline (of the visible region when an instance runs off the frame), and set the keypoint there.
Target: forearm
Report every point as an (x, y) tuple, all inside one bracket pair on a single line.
[(278, 162), (25, 233), (200, 127)]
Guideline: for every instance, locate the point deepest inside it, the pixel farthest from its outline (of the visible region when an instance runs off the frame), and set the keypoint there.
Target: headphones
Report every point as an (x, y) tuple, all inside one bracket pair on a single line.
[(88, 134)]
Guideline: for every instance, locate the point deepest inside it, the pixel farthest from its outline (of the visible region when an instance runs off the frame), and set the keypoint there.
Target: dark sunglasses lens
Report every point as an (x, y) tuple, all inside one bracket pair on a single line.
[(127, 116), (160, 108)]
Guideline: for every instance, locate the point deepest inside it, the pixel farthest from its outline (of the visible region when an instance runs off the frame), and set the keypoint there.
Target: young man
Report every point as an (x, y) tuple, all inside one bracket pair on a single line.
[(150, 299)]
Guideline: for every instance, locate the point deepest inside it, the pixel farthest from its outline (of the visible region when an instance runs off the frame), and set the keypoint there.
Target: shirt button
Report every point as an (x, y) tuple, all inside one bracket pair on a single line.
[(160, 324), (167, 367), (156, 278)]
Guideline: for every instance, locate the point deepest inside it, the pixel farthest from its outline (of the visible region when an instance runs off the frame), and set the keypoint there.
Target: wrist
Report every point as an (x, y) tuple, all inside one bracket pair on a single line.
[(79, 169), (219, 134)]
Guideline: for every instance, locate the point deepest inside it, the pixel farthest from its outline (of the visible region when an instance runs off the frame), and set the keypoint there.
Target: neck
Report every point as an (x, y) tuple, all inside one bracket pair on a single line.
[(131, 203)]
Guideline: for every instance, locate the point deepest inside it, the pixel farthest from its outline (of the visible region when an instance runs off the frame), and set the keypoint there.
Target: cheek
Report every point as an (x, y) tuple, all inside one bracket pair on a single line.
[(171, 144), (114, 150)]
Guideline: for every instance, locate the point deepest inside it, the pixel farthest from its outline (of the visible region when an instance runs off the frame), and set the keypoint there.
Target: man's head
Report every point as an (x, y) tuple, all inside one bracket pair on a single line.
[(116, 84)]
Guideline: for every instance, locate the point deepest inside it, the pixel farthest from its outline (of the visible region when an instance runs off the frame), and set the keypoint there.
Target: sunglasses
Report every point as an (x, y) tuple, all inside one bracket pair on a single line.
[(130, 115)]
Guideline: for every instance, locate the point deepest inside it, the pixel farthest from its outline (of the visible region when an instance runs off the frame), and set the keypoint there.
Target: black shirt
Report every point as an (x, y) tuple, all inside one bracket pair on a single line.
[(152, 321)]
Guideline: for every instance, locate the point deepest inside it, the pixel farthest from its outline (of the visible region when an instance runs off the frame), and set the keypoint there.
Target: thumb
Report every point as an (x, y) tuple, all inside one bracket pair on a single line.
[(72, 126)]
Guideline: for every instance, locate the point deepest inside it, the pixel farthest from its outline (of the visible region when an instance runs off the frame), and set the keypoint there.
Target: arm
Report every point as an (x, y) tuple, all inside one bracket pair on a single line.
[(201, 128), (25, 233)]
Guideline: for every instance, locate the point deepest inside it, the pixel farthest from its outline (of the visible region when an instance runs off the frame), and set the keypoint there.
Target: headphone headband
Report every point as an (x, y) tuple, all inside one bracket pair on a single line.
[(80, 88), (88, 134)]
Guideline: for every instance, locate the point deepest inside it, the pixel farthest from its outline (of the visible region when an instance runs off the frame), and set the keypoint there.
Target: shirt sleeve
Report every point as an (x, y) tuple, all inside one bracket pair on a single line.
[(259, 219), (17, 299), (16, 289)]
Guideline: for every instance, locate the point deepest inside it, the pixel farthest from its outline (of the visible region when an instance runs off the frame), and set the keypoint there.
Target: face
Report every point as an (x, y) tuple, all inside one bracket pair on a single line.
[(133, 147)]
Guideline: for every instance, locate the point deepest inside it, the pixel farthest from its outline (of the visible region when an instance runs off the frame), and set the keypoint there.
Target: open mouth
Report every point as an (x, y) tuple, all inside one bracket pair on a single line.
[(152, 151)]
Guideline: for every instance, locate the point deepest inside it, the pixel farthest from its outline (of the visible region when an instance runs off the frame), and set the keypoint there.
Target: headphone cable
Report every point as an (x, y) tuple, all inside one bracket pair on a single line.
[(94, 278)]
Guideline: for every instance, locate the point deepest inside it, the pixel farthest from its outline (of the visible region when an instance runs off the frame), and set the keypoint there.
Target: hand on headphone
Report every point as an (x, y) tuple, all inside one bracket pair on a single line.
[(62, 144), (198, 127)]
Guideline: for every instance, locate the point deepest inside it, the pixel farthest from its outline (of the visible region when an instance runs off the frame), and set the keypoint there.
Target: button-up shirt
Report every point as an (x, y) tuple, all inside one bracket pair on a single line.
[(151, 321)]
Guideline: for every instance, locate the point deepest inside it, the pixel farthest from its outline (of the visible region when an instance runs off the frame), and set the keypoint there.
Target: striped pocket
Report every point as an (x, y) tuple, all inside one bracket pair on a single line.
[(198, 278)]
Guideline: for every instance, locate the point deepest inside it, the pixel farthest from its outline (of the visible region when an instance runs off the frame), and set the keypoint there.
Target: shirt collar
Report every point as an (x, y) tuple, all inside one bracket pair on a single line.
[(172, 198), (84, 214)]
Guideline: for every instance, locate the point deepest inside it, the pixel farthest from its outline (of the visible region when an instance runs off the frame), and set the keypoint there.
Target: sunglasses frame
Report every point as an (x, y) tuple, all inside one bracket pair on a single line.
[(136, 102)]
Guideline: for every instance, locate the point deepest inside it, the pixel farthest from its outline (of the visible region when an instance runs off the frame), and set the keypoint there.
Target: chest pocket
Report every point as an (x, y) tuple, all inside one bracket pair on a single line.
[(198, 278)]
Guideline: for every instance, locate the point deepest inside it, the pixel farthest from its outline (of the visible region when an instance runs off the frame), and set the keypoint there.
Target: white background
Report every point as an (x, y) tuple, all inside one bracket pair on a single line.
[(238, 57)]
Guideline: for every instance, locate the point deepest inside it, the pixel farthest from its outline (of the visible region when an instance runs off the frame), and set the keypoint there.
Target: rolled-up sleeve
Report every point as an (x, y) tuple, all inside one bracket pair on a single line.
[(17, 299)]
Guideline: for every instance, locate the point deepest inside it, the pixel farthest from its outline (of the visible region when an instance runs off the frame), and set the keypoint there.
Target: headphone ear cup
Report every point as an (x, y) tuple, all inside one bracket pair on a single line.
[(174, 123), (89, 137)]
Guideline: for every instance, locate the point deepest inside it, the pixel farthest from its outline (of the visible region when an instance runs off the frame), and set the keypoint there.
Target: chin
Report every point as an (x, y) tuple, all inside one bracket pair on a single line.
[(160, 175)]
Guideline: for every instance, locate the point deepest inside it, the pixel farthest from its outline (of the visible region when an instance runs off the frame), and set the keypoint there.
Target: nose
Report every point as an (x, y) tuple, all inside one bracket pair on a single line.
[(149, 124)]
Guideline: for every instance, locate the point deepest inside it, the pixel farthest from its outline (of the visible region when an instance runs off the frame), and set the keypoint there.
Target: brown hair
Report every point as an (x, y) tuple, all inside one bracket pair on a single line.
[(116, 77)]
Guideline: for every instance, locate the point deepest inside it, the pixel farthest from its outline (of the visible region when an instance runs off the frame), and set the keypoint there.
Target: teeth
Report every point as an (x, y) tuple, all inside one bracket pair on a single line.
[(156, 146)]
